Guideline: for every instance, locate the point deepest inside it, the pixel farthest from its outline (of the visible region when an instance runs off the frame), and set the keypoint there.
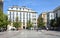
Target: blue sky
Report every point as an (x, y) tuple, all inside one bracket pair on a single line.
[(37, 5)]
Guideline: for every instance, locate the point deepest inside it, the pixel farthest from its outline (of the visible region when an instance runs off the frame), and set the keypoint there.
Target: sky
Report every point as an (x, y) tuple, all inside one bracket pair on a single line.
[(37, 5)]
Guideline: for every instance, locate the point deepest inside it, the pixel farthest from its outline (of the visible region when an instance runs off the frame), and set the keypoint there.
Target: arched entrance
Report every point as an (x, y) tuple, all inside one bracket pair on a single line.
[(23, 27)]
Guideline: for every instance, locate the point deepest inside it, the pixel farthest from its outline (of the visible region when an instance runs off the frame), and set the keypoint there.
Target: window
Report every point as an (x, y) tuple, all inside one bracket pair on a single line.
[(23, 8), (56, 15), (13, 15), (10, 13), (51, 15), (20, 8), (23, 22), (23, 15), (17, 14), (43, 15), (16, 8), (28, 9), (20, 15), (20, 20), (34, 15), (34, 19), (29, 14), (12, 8), (34, 23), (10, 16)]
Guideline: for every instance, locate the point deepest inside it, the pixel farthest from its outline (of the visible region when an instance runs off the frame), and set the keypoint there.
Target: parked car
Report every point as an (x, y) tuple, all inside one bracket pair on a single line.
[(13, 28), (2, 29), (32, 28)]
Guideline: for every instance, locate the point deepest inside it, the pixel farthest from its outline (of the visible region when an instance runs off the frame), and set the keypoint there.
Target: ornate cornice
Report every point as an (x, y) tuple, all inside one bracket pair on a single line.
[(22, 11)]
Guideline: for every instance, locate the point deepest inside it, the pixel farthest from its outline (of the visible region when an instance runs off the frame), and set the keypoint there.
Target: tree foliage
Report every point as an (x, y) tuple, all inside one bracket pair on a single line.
[(17, 24), (55, 23), (29, 24), (3, 19), (40, 22), (58, 22)]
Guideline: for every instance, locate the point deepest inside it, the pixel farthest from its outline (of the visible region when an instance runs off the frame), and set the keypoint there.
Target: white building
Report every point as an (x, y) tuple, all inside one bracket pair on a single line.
[(24, 14), (57, 12), (50, 16)]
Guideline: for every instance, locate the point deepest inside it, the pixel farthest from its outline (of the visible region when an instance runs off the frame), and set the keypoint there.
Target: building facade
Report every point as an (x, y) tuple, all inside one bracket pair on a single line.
[(50, 16), (47, 16), (1, 4), (24, 14), (57, 12), (44, 16)]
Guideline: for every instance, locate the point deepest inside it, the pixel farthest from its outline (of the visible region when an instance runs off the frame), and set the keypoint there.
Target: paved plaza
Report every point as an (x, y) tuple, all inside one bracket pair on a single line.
[(30, 34)]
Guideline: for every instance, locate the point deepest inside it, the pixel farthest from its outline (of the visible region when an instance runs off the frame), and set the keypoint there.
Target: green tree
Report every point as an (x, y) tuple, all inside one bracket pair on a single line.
[(58, 22), (29, 24), (40, 22), (55, 23), (3, 20), (9, 22), (17, 24)]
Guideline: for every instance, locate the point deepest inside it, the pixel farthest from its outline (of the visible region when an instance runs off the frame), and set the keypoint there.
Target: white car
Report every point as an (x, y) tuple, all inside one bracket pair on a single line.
[(32, 28), (13, 28)]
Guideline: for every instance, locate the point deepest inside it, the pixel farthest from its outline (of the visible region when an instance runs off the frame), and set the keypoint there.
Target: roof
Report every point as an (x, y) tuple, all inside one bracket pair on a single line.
[(57, 8), (22, 11), (1, 0), (30, 10)]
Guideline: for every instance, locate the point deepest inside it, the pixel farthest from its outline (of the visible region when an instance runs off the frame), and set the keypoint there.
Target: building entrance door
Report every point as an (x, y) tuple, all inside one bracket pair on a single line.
[(23, 27)]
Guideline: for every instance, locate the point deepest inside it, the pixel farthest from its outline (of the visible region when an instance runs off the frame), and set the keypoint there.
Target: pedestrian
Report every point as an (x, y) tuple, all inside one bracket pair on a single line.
[(37, 29), (47, 29)]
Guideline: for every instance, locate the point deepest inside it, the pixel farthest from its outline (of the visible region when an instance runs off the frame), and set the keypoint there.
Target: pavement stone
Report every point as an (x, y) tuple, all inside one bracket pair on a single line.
[(28, 34)]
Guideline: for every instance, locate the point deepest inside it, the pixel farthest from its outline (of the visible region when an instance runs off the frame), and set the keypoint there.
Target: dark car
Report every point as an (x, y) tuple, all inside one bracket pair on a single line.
[(2, 29)]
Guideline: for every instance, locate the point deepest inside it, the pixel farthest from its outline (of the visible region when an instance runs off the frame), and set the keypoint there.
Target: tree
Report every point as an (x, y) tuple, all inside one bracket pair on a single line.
[(3, 20), (40, 22), (58, 22), (9, 21), (17, 24), (29, 24), (55, 23)]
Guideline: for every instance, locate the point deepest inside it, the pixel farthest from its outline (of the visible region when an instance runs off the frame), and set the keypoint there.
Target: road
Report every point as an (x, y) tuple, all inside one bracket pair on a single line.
[(29, 34)]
